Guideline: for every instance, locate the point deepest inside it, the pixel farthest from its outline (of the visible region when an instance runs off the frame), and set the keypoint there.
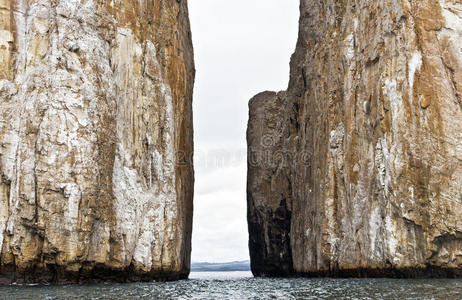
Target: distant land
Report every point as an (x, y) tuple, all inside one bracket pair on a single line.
[(220, 267)]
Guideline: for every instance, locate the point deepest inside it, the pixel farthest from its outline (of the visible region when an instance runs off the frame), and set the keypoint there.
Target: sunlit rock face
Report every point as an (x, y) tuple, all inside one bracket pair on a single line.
[(362, 156), (95, 137)]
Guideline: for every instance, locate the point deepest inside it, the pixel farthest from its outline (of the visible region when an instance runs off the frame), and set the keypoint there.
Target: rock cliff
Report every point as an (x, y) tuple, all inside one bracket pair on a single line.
[(356, 170), (95, 137)]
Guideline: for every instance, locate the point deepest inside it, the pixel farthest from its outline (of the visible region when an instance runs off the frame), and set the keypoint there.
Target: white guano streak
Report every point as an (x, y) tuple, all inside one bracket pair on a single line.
[(415, 63)]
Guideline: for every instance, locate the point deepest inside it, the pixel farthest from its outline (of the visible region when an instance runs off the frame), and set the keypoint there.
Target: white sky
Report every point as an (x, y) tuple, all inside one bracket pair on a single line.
[(242, 47)]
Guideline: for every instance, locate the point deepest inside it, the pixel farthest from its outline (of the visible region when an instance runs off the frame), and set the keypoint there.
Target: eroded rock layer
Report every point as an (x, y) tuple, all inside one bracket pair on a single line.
[(96, 132), (363, 153)]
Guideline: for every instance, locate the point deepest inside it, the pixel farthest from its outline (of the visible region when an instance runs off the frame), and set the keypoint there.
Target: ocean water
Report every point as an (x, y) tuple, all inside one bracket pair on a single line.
[(241, 285)]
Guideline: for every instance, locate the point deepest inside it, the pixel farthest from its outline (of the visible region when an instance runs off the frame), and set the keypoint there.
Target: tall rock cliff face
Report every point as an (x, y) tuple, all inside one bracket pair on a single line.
[(356, 170), (95, 134)]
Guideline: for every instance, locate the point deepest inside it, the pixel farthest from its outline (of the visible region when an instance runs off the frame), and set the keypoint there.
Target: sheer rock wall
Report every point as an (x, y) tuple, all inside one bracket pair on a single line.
[(363, 152), (95, 137)]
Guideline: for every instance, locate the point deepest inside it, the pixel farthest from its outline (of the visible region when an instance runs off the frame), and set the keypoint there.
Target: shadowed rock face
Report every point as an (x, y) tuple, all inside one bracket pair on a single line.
[(268, 187), (95, 137), (363, 151)]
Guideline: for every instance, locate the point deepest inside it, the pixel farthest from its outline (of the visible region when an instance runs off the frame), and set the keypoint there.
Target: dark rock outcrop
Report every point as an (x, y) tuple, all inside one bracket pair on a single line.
[(268, 188)]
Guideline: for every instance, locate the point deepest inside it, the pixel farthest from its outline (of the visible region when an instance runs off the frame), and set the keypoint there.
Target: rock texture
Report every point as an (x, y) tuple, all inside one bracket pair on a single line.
[(95, 135), (356, 170)]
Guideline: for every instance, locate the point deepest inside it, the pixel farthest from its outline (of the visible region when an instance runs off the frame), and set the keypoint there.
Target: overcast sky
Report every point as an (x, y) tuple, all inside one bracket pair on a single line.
[(242, 47)]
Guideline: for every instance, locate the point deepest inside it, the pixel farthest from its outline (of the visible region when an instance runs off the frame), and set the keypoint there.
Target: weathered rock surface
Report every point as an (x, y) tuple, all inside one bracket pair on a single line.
[(356, 170), (95, 134)]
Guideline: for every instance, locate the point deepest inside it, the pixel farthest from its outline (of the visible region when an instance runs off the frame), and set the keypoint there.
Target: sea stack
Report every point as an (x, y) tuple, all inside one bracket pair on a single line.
[(356, 169), (95, 140)]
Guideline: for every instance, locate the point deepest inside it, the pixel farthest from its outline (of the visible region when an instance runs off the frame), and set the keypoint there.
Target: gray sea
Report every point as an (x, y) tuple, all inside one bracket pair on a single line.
[(241, 285)]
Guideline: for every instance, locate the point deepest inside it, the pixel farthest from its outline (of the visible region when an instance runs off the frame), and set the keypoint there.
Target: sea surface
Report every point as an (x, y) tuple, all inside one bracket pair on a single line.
[(241, 285)]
